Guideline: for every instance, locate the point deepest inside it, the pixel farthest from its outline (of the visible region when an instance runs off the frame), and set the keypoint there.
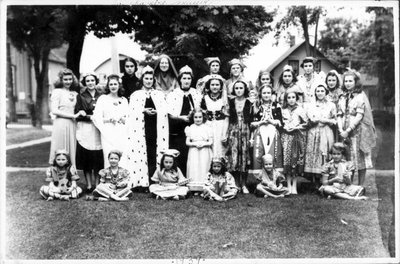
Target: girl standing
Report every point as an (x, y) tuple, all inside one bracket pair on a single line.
[(110, 117), (215, 105), (130, 82), (165, 75), (214, 65), (266, 122), (199, 139), (333, 83), (293, 139), (62, 107), (169, 180), (239, 134), (264, 78), (356, 124), (236, 73), (148, 130), (62, 177), (322, 117), (89, 154), (220, 184), (114, 180), (287, 81)]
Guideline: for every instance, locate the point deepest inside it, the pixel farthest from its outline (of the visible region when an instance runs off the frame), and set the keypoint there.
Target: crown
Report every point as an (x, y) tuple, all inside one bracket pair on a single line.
[(185, 69)]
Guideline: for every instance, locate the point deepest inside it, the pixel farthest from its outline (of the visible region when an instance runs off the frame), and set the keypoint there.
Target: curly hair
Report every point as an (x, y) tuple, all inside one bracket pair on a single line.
[(285, 102), (337, 79), (64, 72), (223, 168), (194, 111), (208, 83), (174, 165), (120, 88)]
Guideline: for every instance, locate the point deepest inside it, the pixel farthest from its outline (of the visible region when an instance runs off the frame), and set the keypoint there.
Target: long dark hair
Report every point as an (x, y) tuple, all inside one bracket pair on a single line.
[(208, 83), (357, 82), (174, 166), (223, 168), (294, 80), (120, 88)]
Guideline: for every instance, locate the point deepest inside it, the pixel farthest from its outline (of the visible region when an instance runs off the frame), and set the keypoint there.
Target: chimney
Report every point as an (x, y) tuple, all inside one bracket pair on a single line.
[(292, 41)]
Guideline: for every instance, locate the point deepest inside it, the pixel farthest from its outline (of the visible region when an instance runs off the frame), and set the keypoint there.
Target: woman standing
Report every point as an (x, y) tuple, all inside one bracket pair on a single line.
[(148, 130), (239, 134), (165, 75), (110, 116), (236, 73), (309, 80), (264, 78), (332, 81), (63, 102), (356, 124), (129, 79), (89, 154), (181, 102), (320, 139)]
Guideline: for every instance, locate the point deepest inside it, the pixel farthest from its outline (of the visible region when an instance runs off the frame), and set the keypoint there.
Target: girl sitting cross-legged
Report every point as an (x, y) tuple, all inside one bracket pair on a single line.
[(169, 180), (114, 181), (271, 180), (337, 174), (220, 184), (62, 177)]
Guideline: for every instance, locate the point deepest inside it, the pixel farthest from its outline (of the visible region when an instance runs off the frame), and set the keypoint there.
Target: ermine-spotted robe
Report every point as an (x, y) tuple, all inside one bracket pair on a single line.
[(137, 153)]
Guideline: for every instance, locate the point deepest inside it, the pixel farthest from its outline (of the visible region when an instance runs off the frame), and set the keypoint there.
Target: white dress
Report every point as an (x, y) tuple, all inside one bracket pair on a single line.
[(199, 160), (218, 127), (110, 117)]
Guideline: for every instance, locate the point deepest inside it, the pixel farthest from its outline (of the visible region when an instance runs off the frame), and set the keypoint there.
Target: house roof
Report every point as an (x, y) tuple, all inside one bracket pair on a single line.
[(292, 50), (59, 55)]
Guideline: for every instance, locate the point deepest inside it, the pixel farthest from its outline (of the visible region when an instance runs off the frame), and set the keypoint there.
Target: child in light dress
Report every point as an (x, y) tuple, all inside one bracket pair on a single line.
[(337, 174), (295, 122), (62, 178), (271, 180), (114, 181), (199, 139), (169, 180), (220, 184)]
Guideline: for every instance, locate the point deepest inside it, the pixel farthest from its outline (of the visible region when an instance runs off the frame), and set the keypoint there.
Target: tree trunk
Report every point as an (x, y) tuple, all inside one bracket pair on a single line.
[(76, 28), (10, 88), (304, 25), (316, 36), (41, 74)]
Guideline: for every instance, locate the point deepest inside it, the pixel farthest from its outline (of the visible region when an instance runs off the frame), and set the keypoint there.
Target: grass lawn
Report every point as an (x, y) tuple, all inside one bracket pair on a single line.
[(32, 156), (19, 135), (303, 226)]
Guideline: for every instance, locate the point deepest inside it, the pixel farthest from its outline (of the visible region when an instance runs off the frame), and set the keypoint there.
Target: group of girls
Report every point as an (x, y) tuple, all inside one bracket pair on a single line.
[(218, 139)]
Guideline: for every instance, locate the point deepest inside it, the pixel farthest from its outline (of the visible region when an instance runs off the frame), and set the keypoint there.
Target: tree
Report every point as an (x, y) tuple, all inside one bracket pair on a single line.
[(37, 30), (190, 33), (301, 16), (367, 48), (336, 41)]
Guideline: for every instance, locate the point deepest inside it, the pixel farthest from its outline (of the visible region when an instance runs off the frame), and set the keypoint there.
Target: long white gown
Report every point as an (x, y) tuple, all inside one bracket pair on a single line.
[(110, 117)]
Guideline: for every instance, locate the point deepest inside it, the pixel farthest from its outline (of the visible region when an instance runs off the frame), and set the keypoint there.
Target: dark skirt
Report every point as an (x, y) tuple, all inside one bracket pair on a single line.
[(88, 160)]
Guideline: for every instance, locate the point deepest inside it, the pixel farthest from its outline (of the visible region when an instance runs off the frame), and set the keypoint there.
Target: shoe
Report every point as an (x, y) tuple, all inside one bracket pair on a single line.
[(266, 196), (89, 198), (360, 192), (176, 198), (50, 198), (245, 190), (64, 198)]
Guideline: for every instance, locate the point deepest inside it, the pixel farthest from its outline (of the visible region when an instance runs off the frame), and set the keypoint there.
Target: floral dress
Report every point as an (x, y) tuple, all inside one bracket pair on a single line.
[(116, 183), (238, 136), (320, 136), (294, 142), (62, 183), (363, 138)]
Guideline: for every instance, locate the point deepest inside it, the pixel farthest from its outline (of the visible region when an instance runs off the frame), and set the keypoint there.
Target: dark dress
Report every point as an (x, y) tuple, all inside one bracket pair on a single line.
[(150, 129), (130, 85), (177, 137), (89, 154)]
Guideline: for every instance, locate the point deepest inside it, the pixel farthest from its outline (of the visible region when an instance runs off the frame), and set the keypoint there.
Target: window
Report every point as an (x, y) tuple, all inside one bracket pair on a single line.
[(317, 67), (295, 65)]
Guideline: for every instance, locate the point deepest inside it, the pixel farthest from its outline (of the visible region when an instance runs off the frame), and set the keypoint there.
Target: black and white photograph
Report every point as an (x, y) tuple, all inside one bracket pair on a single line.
[(195, 132)]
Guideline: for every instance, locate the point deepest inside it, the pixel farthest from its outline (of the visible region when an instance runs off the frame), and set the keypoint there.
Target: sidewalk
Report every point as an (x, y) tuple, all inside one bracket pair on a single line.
[(31, 142)]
